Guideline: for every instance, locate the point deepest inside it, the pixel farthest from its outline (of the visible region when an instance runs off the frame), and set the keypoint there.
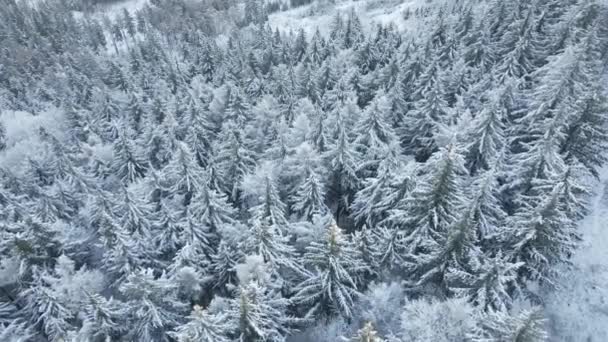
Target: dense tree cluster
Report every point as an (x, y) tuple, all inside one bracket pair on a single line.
[(248, 190)]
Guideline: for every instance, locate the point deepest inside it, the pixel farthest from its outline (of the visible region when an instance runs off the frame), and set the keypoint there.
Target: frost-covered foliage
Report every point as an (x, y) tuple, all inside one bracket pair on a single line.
[(187, 172)]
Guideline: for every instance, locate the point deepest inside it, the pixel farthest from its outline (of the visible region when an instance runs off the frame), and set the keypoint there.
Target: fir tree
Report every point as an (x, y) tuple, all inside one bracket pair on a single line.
[(259, 314), (332, 289), (435, 202), (153, 309), (203, 326), (128, 163)]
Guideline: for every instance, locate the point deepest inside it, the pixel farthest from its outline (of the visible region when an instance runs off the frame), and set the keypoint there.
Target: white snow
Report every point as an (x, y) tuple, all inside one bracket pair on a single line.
[(316, 15), (579, 308)]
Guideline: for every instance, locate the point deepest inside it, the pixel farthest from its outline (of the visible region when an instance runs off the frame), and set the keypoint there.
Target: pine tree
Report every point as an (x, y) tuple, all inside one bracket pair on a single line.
[(259, 314), (233, 159), (266, 240), (128, 163), (451, 260), (203, 326), (434, 203), (212, 210), (526, 326), (309, 198), (198, 245), (586, 135), (332, 289), (343, 159), (271, 208), (222, 266), (200, 136), (102, 317), (182, 175), (375, 137), (152, 307), (307, 83), (542, 235), (486, 137), (167, 228), (495, 283), (46, 311), (367, 334), (431, 111), (488, 216), (381, 194)]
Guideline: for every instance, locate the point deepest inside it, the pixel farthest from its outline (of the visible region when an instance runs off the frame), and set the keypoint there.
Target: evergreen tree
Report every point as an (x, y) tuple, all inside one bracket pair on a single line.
[(309, 199), (153, 309), (527, 325), (259, 314), (182, 175), (434, 203), (343, 180), (233, 159), (271, 208), (375, 138), (486, 137), (542, 234), (332, 289), (423, 124), (203, 326), (128, 163), (102, 317), (586, 135), (367, 334)]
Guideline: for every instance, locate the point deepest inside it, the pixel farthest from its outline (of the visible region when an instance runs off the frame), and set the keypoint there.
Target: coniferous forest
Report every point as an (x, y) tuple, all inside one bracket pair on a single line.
[(196, 174)]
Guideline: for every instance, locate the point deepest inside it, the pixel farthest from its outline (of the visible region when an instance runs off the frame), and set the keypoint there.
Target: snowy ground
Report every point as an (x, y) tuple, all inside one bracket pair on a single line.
[(116, 8), (579, 308), (313, 16)]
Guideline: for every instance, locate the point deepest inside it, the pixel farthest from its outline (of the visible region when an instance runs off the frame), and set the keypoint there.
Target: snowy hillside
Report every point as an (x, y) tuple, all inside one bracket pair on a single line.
[(319, 16)]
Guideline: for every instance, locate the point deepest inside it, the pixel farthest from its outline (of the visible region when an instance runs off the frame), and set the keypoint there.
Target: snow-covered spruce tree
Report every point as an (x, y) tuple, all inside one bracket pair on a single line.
[(486, 136), (525, 326), (382, 193), (200, 136), (211, 209), (182, 175), (586, 135), (431, 111), (46, 312), (434, 203), (203, 326), (222, 266), (343, 160), (152, 306), (102, 318), (309, 199), (268, 241), (495, 284), (271, 208), (488, 215), (541, 233), (134, 214), (233, 159), (375, 137), (332, 289), (167, 228), (366, 334), (432, 320), (538, 159), (198, 245), (259, 314), (452, 260)]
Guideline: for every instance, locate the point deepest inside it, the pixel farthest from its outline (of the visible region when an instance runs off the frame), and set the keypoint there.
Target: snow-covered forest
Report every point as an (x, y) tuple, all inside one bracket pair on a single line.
[(222, 170)]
